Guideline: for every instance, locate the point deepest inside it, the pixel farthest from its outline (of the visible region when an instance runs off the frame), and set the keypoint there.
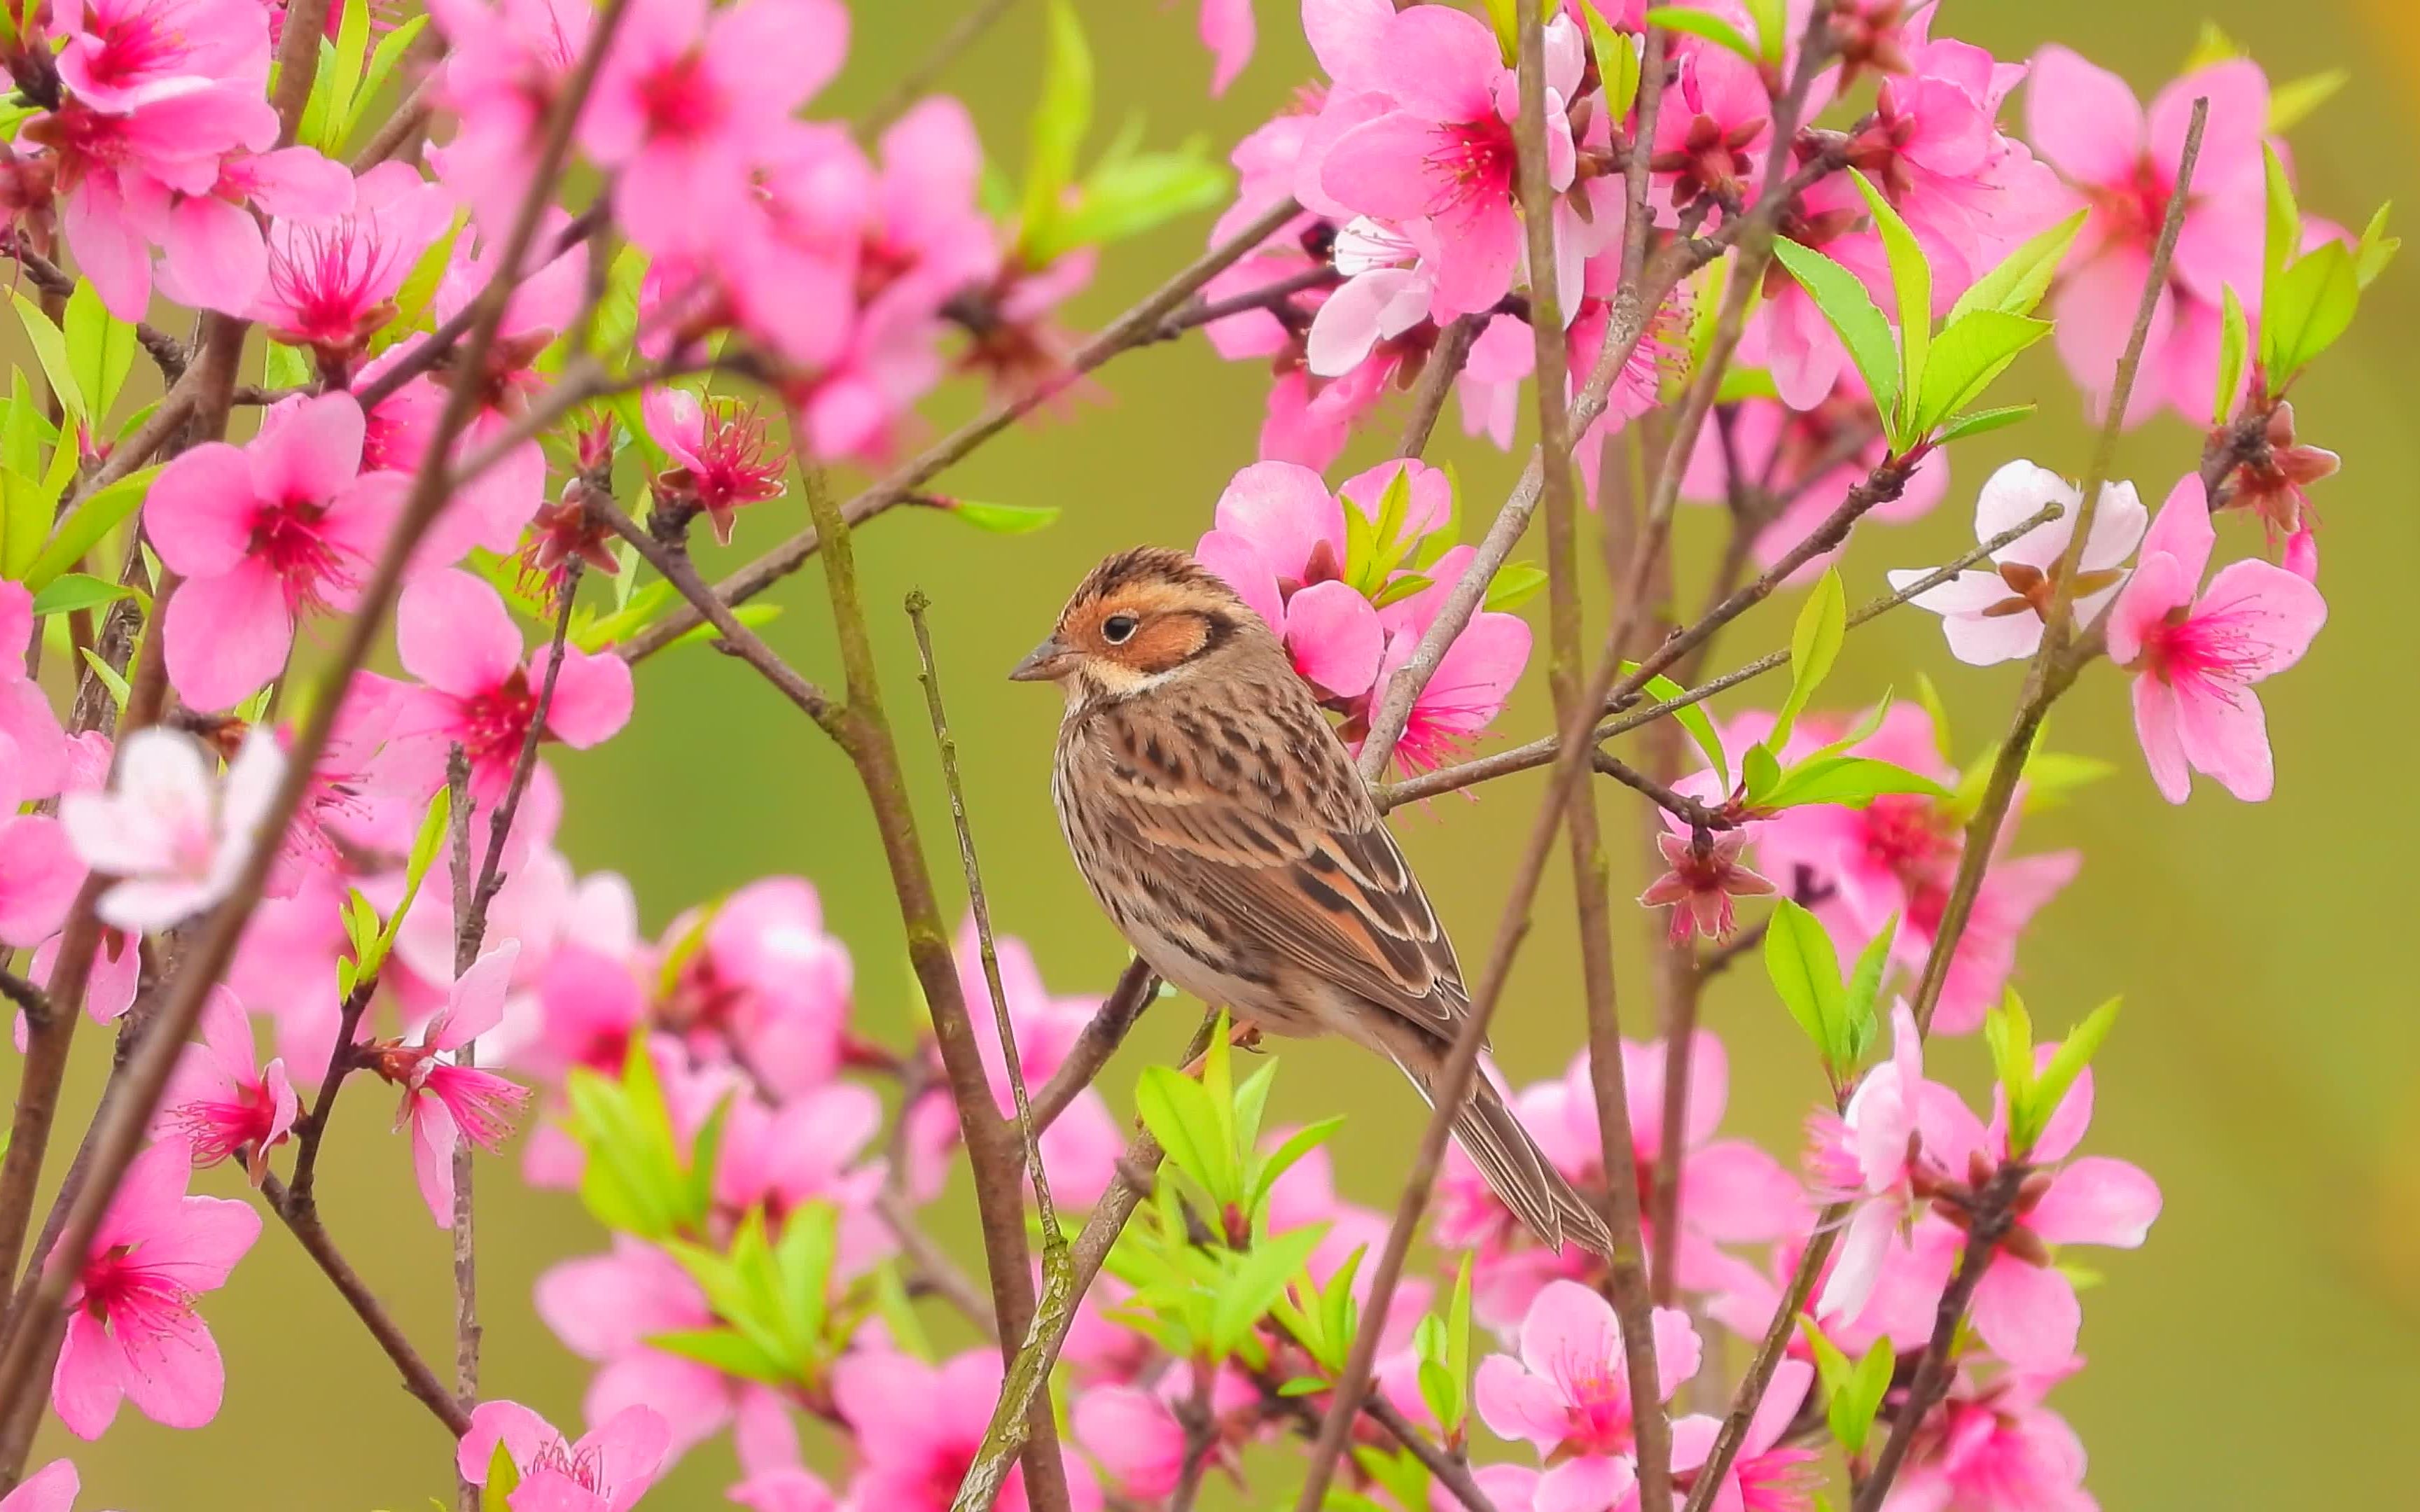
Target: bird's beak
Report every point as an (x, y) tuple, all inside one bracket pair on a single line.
[(1047, 663)]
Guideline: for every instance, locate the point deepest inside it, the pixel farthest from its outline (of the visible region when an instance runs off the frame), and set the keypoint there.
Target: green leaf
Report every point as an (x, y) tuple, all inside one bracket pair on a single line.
[(1759, 771), (28, 508), (2051, 1083), (2308, 309), (50, 347), (1061, 119), (1503, 20), (284, 367), (1981, 421), (327, 118), (2377, 248), (1849, 309), (1974, 352), (810, 1245), (1616, 60), (2291, 102), (70, 591), (1928, 698), (1851, 1409), (1457, 1344), (503, 1478), (419, 290), (1179, 1114), (2017, 283), (2050, 776), (1005, 519), (389, 52), (2282, 230), (1912, 282), (1814, 646), (1516, 585), (1244, 1298), (1693, 718), (1772, 29), (100, 348), (1852, 781), (92, 517), (1705, 24), (2234, 351), (727, 1350), (1805, 974), (1742, 382), (108, 676), (24, 431), (2212, 45), (2008, 1033), (1282, 1159), (436, 822), (1127, 196)]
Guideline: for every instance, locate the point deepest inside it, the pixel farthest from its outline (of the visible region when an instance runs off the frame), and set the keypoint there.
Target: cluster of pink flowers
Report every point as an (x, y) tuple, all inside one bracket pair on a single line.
[(1352, 618)]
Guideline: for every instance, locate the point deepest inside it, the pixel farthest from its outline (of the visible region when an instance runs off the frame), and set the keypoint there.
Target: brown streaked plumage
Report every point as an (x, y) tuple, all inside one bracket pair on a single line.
[(1221, 824)]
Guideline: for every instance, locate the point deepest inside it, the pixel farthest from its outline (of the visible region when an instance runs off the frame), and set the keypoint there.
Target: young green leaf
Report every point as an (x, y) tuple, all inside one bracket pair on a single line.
[(727, 1350), (1849, 309), (1866, 987), (1814, 646), (26, 509), (1980, 422), (50, 346), (1126, 195), (2017, 283), (2308, 309), (504, 1480), (1616, 59), (2282, 230), (1515, 584), (1693, 718), (1853, 1405), (1760, 772), (1178, 1114), (109, 678), (2291, 103), (2008, 1033), (1282, 1159), (1973, 352), (1912, 283), (1504, 21), (100, 348), (1805, 974), (1257, 1282), (70, 591), (1005, 519), (389, 52), (1772, 29), (2051, 1084), (1061, 119), (2377, 248), (1707, 25), (2234, 350)]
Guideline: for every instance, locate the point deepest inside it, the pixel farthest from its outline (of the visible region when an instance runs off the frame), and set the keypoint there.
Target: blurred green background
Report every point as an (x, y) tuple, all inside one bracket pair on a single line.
[(2258, 1350)]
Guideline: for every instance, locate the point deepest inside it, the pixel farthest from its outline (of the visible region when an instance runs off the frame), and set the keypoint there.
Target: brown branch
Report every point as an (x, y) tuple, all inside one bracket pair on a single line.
[(1688, 810), (1096, 1042), (2053, 669), (1444, 364), (1271, 297), (1989, 1221), (33, 1348), (1449, 1470), (430, 350), (1125, 331), (303, 1220), (50, 1035)]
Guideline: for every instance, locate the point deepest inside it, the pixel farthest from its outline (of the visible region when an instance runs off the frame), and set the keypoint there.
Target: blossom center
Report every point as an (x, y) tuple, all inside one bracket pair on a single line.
[(1470, 166), (496, 724), (291, 536), (679, 101), (2218, 653), (2134, 209)]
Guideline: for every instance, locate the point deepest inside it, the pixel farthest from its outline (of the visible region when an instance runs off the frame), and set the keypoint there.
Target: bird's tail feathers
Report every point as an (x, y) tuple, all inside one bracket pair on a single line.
[(1516, 1170)]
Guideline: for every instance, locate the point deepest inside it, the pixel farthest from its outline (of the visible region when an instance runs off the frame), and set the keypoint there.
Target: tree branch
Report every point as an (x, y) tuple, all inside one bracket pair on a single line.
[(1096, 1042)]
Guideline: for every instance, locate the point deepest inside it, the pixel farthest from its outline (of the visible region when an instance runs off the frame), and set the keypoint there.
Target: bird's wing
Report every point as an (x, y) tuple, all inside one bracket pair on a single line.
[(1290, 852)]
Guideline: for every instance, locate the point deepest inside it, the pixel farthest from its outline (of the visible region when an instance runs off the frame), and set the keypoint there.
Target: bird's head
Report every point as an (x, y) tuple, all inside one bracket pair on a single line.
[(1138, 620)]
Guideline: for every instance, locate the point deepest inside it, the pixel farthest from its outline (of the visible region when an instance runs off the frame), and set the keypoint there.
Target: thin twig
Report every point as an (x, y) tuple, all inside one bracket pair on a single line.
[(1096, 1042), (49, 1036), (2052, 670), (1201, 1436), (1125, 331), (1271, 296), (1444, 364), (1054, 1241), (469, 925), (1778, 1331)]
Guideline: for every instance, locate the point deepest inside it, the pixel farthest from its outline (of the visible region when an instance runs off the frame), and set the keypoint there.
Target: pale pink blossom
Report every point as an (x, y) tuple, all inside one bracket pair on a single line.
[(1873, 1146), (219, 1100), (813, 1148), (1082, 1147), (212, 255), (1768, 1475), (454, 633), (288, 524), (1279, 541), (769, 978), (1997, 615), (2197, 652), (917, 1428), (131, 1333), (507, 61), (1995, 1447), (174, 834), (607, 1471)]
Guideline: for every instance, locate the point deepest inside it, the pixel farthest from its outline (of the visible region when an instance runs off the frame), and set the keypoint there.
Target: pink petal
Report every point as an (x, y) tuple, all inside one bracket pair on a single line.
[(1284, 512), (227, 634), (1228, 31), (2160, 585), (476, 1003), (172, 1371), (1980, 641), (310, 452), (1517, 1405), (2083, 119), (1782, 1395), (522, 1432), (1593, 1483), (778, 52), (2230, 148), (1474, 268), (214, 252), (40, 875), (2183, 531), (1380, 168), (1354, 319), (2028, 1314), (453, 632), (51, 1488), (211, 1235), (2095, 307), (1240, 564), (298, 184), (199, 512), (1441, 63), (2097, 1200), (1732, 1191), (1334, 637), (85, 1385), (1568, 1327), (1858, 1262), (2225, 733), (592, 696), (106, 248), (2277, 612), (627, 1450), (433, 1137), (1678, 1351)]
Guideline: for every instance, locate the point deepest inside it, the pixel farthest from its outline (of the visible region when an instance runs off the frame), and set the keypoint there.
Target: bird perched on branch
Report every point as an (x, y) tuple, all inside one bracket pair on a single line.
[(1223, 827)]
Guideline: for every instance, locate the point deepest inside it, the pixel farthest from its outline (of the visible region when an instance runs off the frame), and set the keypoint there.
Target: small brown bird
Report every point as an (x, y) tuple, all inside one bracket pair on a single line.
[(1221, 824)]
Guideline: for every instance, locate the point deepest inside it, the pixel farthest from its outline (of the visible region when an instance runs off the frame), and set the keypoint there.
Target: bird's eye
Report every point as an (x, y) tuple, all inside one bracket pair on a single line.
[(1118, 629)]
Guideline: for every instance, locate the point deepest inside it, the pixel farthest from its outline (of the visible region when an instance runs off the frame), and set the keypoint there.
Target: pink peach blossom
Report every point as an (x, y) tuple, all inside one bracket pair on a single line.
[(1996, 1448), (443, 1101), (917, 1428), (120, 51), (132, 1333), (329, 286), (720, 457), (1768, 1475), (51, 1488), (1135, 1437), (2197, 658), (219, 1100), (36, 754), (285, 525), (1227, 31), (1279, 540), (1568, 1393), (607, 1471), (39, 872), (507, 60)]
